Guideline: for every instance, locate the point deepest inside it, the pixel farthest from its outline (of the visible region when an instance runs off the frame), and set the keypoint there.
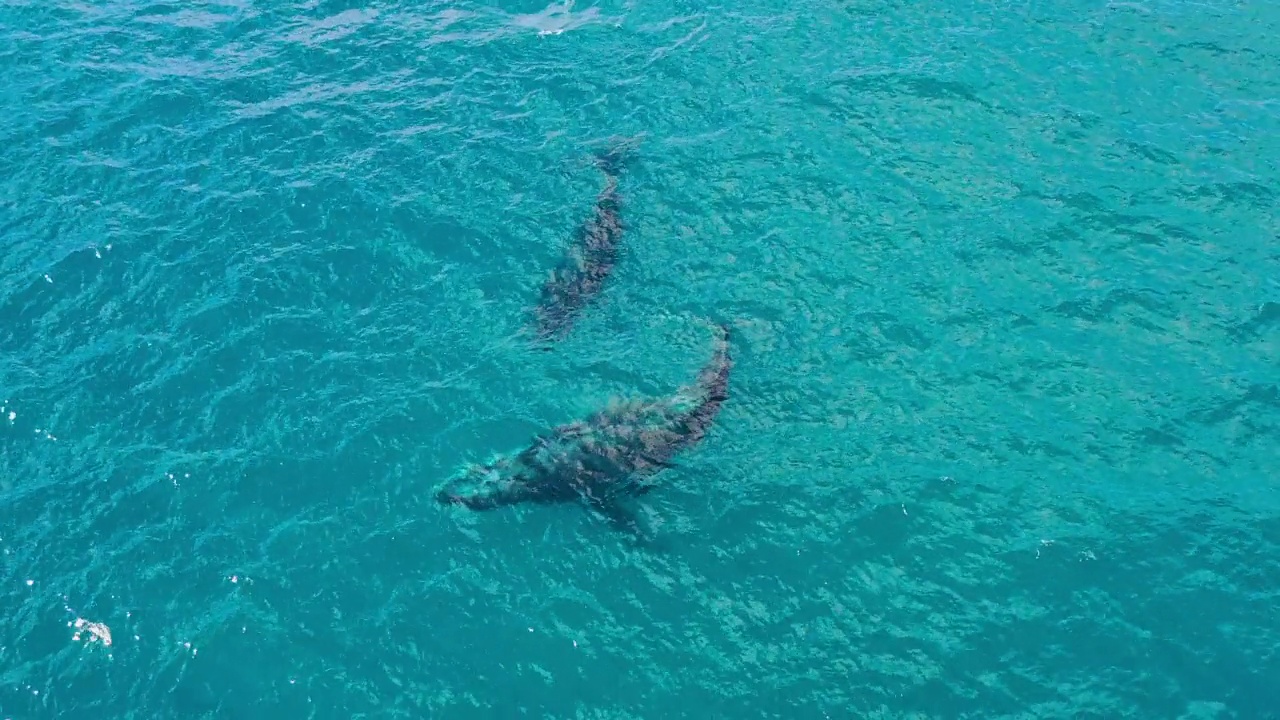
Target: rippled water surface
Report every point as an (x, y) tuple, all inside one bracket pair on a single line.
[(1004, 424)]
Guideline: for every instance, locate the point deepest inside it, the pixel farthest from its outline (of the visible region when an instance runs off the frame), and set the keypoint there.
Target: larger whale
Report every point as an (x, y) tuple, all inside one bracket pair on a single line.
[(589, 258), (604, 459)]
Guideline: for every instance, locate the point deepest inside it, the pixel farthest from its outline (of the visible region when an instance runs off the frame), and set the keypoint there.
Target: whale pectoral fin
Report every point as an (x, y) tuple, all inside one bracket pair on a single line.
[(624, 519), (641, 487), (619, 516), (662, 464)]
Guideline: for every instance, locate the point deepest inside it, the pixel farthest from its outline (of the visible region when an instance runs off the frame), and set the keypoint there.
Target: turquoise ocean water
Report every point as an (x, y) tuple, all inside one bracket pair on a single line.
[(1004, 428)]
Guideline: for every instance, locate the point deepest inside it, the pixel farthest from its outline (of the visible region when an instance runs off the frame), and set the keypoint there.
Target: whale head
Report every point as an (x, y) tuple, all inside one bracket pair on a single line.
[(575, 461), (483, 486), (530, 475)]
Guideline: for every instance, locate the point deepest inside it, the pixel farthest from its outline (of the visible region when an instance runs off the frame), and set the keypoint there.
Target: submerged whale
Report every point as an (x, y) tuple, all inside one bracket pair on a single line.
[(604, 459), (590, 258)]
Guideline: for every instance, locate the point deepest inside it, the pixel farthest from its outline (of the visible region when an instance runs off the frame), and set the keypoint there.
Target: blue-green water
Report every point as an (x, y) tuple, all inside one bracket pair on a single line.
[(1005, 420)]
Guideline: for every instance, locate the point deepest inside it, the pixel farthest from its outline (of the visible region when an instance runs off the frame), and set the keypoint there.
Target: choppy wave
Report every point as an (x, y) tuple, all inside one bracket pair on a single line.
[(1002, 428)]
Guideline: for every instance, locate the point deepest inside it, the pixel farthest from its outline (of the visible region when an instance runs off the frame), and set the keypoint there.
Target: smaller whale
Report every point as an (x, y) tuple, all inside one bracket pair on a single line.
[(590, 258), (604, 459)]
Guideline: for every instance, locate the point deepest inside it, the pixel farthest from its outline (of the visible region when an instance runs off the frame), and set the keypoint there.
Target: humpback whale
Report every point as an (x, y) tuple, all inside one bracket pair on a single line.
[(604, 459), (590, 258)]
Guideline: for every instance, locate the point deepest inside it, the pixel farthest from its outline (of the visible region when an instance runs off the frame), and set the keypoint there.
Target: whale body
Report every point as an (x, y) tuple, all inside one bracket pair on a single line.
[(590, 259), (605, 458)]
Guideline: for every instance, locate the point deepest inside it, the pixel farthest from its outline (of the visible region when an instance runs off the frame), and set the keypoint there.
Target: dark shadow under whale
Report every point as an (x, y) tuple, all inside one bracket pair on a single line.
[(590, 258), (604, 459)]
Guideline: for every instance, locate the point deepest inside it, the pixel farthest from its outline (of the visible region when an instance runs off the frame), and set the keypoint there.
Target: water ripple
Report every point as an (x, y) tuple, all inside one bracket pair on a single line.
[(1002, 421)]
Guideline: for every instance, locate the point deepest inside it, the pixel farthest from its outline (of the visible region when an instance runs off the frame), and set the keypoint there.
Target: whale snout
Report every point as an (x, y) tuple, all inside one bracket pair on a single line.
[(479, 487), (446, 497), (474, 502)]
